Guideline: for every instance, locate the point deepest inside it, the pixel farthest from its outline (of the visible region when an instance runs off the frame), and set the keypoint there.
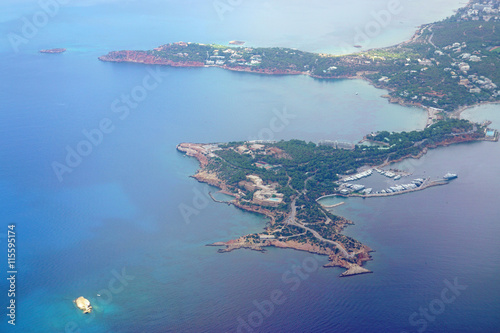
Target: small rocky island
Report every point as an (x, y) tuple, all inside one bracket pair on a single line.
[(284, 181), (83, 304), (59, 50)]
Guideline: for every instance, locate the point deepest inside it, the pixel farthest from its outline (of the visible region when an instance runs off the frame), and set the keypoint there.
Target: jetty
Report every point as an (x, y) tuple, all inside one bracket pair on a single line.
[(335, 205), (355, 269)]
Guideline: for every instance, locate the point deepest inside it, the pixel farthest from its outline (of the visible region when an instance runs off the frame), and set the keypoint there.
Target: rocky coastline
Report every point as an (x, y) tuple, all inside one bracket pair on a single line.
[(352, 264)]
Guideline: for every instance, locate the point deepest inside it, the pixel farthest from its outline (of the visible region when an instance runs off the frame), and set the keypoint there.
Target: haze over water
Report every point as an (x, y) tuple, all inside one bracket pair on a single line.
[(117, 212)]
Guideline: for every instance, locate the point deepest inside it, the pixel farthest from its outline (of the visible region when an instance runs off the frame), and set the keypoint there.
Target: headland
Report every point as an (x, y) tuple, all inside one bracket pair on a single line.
[(285, 180)]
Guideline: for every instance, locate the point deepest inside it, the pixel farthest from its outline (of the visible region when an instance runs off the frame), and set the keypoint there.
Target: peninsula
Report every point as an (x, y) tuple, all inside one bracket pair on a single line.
[(284, 180)]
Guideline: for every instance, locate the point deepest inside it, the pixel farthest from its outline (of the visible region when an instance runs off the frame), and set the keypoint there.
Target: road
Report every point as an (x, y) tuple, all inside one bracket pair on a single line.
[(291, 220)]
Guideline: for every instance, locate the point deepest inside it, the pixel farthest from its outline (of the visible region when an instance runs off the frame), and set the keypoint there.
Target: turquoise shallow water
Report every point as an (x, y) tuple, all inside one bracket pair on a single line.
[(113, 225)]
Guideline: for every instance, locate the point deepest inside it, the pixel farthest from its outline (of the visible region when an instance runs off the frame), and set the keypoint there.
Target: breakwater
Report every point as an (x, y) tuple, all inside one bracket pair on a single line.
[(427, 183)]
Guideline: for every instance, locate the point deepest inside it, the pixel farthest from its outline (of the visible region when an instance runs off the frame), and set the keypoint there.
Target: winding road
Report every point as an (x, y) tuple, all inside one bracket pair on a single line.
[(291, 220)]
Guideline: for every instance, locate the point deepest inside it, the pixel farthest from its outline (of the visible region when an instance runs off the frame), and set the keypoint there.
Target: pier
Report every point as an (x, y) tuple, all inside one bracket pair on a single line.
[(333, 206), (219, 201)]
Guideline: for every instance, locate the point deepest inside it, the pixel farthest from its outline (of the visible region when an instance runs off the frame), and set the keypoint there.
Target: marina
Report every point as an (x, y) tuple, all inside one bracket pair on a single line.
[(359, 190), (402, 189), (335, 205), (391, 191)]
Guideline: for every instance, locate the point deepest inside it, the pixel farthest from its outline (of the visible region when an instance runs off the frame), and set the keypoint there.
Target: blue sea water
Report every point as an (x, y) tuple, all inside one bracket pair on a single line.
[(113, 226)]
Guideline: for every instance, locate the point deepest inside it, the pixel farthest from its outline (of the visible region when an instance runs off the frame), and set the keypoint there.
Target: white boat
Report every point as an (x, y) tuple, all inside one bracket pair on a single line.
[(450, 176)]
